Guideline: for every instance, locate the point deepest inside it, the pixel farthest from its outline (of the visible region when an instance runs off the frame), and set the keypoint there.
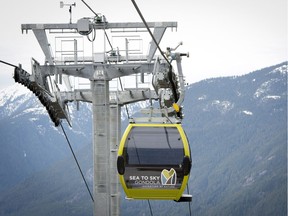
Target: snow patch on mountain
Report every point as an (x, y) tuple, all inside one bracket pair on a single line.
[(238, 93), (261, 173), (15, 97), (203, 97), (13, 92), (89, 175), (262, 89), (132, 109), (38, 110), (265, 88), (282, 70), (248, 180), (246, 112), (222, 106), (269, 98), (41, 129), (33, 119)]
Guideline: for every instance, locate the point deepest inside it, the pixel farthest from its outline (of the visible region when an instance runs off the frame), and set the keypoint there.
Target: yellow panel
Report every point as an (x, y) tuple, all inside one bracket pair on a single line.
[(161, 194)]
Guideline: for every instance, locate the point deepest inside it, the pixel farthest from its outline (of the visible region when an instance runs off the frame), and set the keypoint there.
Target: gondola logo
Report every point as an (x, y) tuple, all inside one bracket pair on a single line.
[(168, 177)]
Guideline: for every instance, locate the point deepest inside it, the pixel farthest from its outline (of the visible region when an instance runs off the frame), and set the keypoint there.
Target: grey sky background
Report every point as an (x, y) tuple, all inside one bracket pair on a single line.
[(224, 37)]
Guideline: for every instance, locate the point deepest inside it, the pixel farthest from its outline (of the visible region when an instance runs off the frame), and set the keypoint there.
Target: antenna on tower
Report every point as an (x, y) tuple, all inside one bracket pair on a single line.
[(70, 8)]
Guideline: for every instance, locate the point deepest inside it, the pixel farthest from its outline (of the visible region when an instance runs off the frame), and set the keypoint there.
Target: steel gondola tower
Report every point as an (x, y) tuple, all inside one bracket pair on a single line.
[(100, 70)]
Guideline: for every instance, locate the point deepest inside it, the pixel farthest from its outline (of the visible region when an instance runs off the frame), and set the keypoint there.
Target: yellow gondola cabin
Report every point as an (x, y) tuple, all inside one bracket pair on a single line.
[(154, 161)]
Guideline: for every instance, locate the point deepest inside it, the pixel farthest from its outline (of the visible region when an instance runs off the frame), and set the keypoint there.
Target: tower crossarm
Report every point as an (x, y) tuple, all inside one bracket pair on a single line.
[(98, 25), (122, 97), (111, 71)]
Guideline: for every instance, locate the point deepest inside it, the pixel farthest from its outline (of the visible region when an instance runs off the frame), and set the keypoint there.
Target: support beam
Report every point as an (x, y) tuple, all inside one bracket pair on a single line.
[(101, 145), (115, 131), (158, 34), (41, 36), (101, 25), (87, 70), (123, 97)]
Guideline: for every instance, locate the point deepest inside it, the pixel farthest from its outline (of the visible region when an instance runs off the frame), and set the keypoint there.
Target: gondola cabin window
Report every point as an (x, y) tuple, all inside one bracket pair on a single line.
[(154, 146), (153, 157)]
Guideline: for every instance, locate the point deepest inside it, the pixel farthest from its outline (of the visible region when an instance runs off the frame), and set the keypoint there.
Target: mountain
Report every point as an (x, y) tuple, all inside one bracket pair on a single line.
[(29, 141), (238, 136)]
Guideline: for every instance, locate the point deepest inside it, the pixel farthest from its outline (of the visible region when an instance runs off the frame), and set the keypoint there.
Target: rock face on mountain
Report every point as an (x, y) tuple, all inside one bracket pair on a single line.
[(237, 127)]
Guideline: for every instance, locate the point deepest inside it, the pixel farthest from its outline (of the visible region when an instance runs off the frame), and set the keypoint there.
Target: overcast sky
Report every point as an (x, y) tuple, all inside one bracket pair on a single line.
[(224, 37)]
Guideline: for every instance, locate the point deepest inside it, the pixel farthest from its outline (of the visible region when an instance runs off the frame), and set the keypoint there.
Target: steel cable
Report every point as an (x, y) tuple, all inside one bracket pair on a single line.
[(76, 161)]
